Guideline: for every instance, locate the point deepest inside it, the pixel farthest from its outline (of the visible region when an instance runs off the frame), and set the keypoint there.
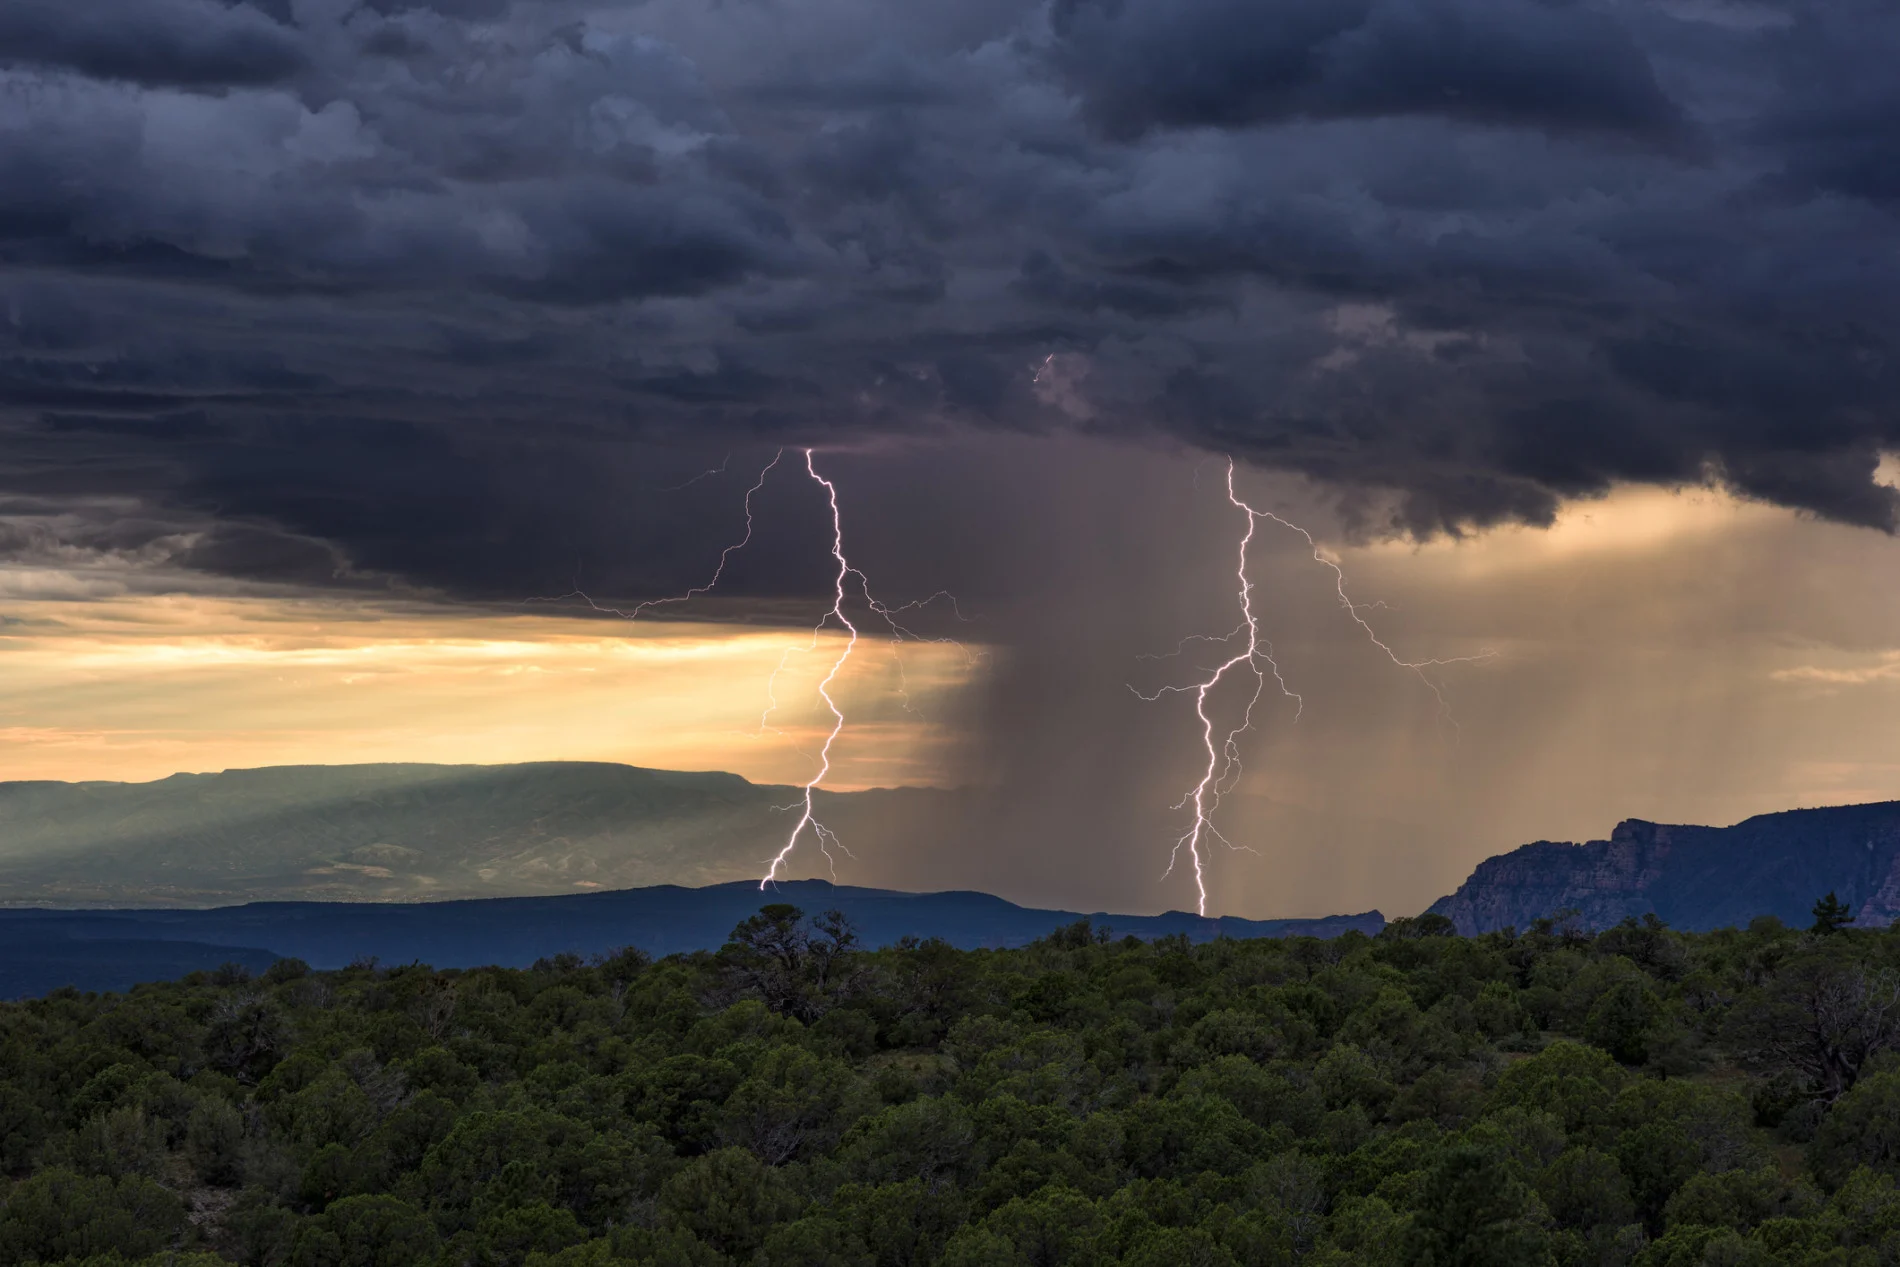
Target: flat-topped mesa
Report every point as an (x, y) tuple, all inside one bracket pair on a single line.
[(1696, 877)]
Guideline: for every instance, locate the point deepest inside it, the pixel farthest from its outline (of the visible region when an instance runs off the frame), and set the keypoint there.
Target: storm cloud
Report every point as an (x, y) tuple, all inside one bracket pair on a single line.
[(444, 292)]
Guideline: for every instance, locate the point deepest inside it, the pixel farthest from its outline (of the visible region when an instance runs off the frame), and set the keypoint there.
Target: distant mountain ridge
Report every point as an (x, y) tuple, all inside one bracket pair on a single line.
[(43, 949), (1696, 878), (407, 832), (476, 864)]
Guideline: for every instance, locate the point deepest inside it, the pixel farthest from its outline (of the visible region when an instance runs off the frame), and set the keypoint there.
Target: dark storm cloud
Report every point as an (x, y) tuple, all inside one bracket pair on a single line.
[(456, 288), (181, 42), (1142, 64)]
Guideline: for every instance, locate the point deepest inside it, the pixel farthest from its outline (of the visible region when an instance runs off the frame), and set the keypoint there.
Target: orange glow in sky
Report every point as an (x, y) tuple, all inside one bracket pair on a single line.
[(139, 688)]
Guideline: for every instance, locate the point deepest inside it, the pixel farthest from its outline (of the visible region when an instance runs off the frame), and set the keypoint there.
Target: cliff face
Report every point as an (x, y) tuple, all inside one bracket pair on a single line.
[(1696, 877)]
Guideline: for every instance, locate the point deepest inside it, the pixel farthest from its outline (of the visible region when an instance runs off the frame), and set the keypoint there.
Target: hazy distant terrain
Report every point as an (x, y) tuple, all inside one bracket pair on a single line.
[(409, 833), (405, 832)]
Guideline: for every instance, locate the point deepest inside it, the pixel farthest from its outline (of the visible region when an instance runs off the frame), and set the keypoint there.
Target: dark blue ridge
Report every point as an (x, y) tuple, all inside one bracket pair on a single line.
[(43, 949), (33, 962)]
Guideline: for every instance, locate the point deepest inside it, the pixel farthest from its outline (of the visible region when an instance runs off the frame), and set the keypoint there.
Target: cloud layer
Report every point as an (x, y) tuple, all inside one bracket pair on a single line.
[(443, 290)]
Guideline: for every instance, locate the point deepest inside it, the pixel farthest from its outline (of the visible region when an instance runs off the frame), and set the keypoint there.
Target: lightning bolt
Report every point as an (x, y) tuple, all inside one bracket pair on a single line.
[(706, 474), (846, 575), (1255, 660), (807, 817), (1356, 610), (636, 611)]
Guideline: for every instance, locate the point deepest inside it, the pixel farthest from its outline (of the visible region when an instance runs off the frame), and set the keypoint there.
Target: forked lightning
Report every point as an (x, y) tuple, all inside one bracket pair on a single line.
[(825, 838), (1255, 658)]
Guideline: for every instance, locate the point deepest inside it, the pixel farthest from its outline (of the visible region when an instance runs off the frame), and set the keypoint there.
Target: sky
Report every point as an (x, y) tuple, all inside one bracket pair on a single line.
[(342, 345)]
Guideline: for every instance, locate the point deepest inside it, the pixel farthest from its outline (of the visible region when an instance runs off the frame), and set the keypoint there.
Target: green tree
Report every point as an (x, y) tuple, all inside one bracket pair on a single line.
[(1574, 1083), (1697, 1246), (24, 1123), (1861, 1129), (214, 1142), (1474, 1212), (1866, 1211), (682, 1095), (728, 1199), (928, 1139), (365, 1231), (1739, 1199), (246, 1035), (1822, 1018), (793, 1103), (262, 1231), (1347, 1075), (901, 1224), (121, 1141), (1659, 1157), (1831, 915), (1586, 1189), (814, 1241), (1362, 1232), (978, 1246), (1621, 1020), (799, 968), (536, 1226), (1051, 1227), (58, 1214), (1496, 1010), (1178, 1247)]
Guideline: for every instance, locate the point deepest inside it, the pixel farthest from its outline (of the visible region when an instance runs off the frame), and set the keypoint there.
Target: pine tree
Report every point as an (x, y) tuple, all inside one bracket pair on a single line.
[(1831, 915)]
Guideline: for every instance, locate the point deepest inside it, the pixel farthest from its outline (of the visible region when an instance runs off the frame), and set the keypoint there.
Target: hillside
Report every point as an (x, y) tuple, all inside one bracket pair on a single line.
[(1696, 877), (405, 832)]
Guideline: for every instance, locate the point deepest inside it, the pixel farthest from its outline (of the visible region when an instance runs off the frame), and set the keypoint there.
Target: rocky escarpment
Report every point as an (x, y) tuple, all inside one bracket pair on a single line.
[(1696, 877)]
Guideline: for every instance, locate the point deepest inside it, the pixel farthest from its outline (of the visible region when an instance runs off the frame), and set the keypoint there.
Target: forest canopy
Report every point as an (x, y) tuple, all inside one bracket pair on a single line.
[(1547, 1097)]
